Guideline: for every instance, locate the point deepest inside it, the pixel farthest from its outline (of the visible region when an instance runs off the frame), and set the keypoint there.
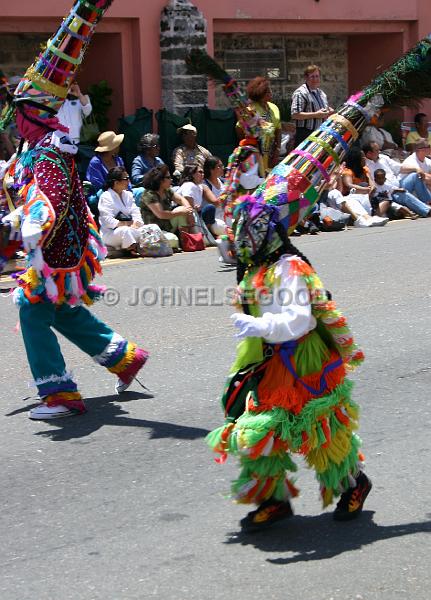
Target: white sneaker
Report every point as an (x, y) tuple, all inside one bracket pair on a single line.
[(121, 387), (44, 412), (379, 221), (363, 222)]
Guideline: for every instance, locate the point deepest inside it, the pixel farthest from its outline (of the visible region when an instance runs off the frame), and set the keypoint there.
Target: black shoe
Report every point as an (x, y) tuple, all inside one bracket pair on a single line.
[(312, 229), (268, 513), (351, 502)]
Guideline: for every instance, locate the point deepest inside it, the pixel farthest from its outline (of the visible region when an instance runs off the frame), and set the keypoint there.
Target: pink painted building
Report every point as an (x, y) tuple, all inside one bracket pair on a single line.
[(362, 37)]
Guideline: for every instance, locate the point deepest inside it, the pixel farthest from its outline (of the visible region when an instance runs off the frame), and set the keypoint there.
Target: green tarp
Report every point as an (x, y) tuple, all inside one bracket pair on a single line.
[(216, 131), (134, 127)]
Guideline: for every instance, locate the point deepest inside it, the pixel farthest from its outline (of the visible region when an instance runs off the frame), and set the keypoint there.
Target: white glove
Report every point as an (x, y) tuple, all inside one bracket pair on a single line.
[(31, 233), (13, 219), (249, 326)]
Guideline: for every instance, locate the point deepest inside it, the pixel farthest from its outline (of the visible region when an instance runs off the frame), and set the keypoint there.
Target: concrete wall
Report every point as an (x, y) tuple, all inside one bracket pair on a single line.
[(138, 24)]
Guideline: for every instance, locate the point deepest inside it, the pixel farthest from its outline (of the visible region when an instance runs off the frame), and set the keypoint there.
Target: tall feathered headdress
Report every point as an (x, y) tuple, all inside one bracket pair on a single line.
[(46, 82), (293, 186)]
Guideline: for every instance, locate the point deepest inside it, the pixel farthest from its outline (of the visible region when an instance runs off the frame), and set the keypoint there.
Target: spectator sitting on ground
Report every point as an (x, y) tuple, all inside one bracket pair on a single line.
[(76, 106), (164, 207), (374, 132), (418, 163), (420, 132), (189, 152), (106, 158), (120, 219), (351, 205), (213, 171), (382, 198), (147, 158), (200, 197), (356, 178), (374, 160)]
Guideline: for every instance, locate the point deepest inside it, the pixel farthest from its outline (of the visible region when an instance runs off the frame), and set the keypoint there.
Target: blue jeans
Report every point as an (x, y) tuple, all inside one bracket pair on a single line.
[(208, 214), (414, 185), (410, 201)]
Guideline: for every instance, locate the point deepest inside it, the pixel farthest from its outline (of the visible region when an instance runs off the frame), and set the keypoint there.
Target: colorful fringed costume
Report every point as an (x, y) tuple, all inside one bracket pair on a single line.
[(287, 392), (57, 230)]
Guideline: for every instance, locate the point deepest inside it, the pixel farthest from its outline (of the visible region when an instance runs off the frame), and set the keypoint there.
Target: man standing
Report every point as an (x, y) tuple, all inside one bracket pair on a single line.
[(309, 104), (72, 111), (393, 169)]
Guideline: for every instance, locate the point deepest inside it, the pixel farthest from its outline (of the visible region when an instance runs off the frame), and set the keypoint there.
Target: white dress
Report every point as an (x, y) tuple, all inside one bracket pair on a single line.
[(113, 233)]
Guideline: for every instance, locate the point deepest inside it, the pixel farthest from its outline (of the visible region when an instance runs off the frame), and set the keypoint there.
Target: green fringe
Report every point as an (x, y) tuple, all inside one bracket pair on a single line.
[(288, 426), (213, 439), (310, 354), (267, 466)]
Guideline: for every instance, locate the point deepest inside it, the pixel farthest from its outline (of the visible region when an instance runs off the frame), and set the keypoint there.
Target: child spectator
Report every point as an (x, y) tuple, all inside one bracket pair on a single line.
[(381, 199)]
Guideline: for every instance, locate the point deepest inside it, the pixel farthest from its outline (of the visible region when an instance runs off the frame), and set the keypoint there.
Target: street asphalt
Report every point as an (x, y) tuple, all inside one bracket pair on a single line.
[(126, 502)]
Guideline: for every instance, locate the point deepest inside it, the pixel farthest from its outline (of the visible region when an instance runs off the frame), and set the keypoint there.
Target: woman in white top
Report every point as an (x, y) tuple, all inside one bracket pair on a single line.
[(120, 219), (200, 197), (213, 171)]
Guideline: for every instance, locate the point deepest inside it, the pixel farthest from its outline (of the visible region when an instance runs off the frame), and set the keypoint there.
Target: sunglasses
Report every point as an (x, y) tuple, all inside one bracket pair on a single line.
[(200, 172), (125, 178)]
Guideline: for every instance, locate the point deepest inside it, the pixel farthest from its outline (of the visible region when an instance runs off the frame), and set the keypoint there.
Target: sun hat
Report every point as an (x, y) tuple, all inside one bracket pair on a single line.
[(187, 127), (109, 140)]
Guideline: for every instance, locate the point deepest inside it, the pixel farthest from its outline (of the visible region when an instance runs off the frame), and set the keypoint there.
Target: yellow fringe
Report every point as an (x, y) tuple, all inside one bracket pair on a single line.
[(126, 360), (336, 452)]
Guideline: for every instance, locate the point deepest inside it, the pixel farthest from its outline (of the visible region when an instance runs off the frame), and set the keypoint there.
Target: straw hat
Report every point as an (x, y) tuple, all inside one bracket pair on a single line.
[(187, 127), (109, 140)]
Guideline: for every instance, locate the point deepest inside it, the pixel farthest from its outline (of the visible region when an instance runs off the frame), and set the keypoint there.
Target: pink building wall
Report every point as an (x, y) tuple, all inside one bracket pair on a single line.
[(126, 51)]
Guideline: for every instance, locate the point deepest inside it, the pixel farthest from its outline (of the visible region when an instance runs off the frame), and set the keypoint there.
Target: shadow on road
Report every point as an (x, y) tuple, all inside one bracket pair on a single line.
[(320, 537), (105, 410)]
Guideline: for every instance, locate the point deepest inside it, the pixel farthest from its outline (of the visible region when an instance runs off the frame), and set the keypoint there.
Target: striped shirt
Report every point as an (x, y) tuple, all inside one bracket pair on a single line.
[(306, 100)]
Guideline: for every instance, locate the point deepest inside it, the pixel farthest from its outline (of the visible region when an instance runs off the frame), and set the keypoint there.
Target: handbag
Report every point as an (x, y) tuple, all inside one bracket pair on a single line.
[(152, 242), (89, 130), (120, 216), (191, 242)]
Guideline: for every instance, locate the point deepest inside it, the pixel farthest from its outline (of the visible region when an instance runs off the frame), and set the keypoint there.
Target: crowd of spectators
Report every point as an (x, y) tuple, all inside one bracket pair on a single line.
[(377, 182)]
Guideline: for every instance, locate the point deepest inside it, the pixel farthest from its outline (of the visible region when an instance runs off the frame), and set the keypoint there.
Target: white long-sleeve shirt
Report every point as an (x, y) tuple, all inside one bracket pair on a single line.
[(110, 204), (288, 316), (70, 115)]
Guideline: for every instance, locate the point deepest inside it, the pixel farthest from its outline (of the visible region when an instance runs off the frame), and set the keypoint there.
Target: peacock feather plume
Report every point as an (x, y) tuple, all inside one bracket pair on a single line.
[(406, 81), (200, 63)]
